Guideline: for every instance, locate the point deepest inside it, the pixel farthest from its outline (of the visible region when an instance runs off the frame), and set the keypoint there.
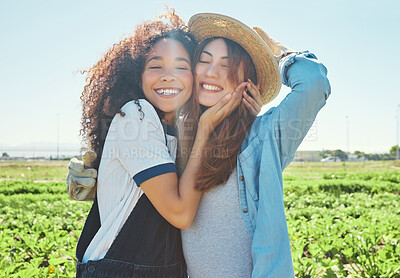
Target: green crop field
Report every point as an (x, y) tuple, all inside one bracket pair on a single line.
[(343, 219)]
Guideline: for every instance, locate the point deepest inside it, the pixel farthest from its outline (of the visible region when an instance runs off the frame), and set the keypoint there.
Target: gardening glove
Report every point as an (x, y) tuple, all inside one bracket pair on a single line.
[(277, 48), (81, 179)]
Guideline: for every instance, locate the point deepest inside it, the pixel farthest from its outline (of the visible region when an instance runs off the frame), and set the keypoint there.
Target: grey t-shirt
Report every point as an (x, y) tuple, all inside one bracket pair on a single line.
[(218, 244)]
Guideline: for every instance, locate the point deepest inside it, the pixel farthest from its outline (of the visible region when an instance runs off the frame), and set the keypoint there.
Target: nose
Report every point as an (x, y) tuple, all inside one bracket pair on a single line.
[(168, 75), (212, 71)]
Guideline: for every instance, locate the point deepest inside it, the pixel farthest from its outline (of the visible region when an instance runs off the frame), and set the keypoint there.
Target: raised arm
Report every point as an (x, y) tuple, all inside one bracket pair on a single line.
[(307, 77), (287, 125), (291, 120)]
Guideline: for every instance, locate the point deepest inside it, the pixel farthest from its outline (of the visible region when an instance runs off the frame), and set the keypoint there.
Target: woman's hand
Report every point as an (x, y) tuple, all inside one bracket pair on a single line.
[(214, 115), (81, 178), (254, 102), (277, 48)]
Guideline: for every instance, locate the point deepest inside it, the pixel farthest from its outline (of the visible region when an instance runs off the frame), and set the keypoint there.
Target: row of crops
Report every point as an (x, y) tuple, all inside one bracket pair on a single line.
[(345, 226), (39, 229), (342, 222)]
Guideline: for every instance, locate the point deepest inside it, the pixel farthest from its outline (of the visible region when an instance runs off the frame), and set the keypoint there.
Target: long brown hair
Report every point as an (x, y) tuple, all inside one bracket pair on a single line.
[(116, 78), (220, 154)]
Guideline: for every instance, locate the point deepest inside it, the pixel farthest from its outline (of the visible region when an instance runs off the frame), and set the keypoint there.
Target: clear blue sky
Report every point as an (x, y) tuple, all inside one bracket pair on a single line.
[(44, 44)]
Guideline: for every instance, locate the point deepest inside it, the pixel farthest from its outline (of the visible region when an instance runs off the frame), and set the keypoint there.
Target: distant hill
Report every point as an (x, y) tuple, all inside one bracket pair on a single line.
[(46, 149)]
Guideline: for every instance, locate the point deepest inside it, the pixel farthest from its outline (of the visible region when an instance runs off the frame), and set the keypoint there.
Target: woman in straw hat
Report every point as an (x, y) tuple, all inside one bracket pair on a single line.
[(240, 227)]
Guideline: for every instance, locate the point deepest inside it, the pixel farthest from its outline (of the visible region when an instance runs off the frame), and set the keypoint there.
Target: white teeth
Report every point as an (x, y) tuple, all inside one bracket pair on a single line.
[(211, 87), (167, 91)]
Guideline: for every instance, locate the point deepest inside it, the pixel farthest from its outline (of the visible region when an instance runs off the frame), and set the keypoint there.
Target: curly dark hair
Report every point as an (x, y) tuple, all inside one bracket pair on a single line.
[(116, 78)]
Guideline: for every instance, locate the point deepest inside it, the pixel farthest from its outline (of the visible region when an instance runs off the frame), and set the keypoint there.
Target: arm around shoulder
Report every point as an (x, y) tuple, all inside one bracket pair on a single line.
[(177, 201)]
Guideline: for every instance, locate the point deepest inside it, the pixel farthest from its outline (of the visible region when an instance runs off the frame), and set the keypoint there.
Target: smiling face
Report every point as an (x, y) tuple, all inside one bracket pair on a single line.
[(167, 78), (212, 80)]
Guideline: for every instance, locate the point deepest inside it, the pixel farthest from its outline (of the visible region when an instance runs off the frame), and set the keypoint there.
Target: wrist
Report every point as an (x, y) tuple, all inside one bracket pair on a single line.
[(204, 130), (286, 51)]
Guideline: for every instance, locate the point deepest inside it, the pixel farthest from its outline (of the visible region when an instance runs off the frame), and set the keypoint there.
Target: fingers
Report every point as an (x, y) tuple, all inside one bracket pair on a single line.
[(230, 99), (78, 182), (254, 102), (221, 103), (84, 182), (76, 165), (81, 189), (248, 99), (87, 173), (210, 118), (250, 107), (255, 92), (240, 88), (236, 98), (71, 187), (82, 168), (214, 115), (274, 45), (88, 158)]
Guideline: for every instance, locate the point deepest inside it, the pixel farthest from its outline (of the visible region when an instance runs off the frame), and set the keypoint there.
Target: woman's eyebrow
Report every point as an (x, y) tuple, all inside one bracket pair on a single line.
[(182, 59), (154, 58), (160, 58), (208, 53)]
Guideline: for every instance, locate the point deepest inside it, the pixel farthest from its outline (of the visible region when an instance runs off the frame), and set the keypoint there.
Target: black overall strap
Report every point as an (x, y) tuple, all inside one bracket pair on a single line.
[(92, 225), (147, 238)]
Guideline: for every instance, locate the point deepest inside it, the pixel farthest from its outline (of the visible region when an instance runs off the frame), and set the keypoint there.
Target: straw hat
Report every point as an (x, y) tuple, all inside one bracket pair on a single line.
[(209, 25)]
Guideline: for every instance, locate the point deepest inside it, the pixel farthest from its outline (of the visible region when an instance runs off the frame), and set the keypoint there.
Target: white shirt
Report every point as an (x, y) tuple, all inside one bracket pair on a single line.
[(135, 150)]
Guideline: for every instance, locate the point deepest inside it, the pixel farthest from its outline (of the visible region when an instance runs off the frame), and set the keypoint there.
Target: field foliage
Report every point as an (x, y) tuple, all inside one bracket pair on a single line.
[(343, 219)]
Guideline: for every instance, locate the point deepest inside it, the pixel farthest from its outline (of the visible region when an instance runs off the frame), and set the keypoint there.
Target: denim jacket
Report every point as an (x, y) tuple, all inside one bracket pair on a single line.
[(268, 148)]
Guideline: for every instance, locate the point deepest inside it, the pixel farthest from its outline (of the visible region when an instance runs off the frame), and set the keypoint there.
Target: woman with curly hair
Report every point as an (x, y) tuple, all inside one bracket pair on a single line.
[(130, 103)]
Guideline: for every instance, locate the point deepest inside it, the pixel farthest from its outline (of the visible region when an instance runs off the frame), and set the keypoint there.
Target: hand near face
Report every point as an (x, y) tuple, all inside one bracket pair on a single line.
[(254, 102), (214, 115)]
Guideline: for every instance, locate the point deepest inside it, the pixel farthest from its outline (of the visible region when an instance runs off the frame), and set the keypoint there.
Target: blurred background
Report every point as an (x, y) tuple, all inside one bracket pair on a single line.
[(46, 44), (342, 217)]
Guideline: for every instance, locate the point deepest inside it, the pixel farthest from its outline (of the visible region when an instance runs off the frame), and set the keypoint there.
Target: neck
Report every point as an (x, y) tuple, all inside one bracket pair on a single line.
[(169, 118)]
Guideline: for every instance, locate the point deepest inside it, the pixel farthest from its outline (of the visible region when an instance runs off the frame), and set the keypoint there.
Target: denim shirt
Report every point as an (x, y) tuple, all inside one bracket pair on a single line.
[(267, 149)]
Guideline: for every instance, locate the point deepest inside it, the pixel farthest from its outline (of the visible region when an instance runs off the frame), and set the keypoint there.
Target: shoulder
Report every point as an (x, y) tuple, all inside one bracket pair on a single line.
[(141, 108), (264, 121), (261, 128), (134, 108), (139, 117)]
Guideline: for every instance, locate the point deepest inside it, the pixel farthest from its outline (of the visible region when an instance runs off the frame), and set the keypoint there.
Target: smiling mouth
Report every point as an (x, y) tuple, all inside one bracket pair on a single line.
[(211, 88), (168, 92)]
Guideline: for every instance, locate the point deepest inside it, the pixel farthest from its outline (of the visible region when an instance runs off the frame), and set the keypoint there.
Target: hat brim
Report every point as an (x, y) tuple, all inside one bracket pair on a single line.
[(209, 25)]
